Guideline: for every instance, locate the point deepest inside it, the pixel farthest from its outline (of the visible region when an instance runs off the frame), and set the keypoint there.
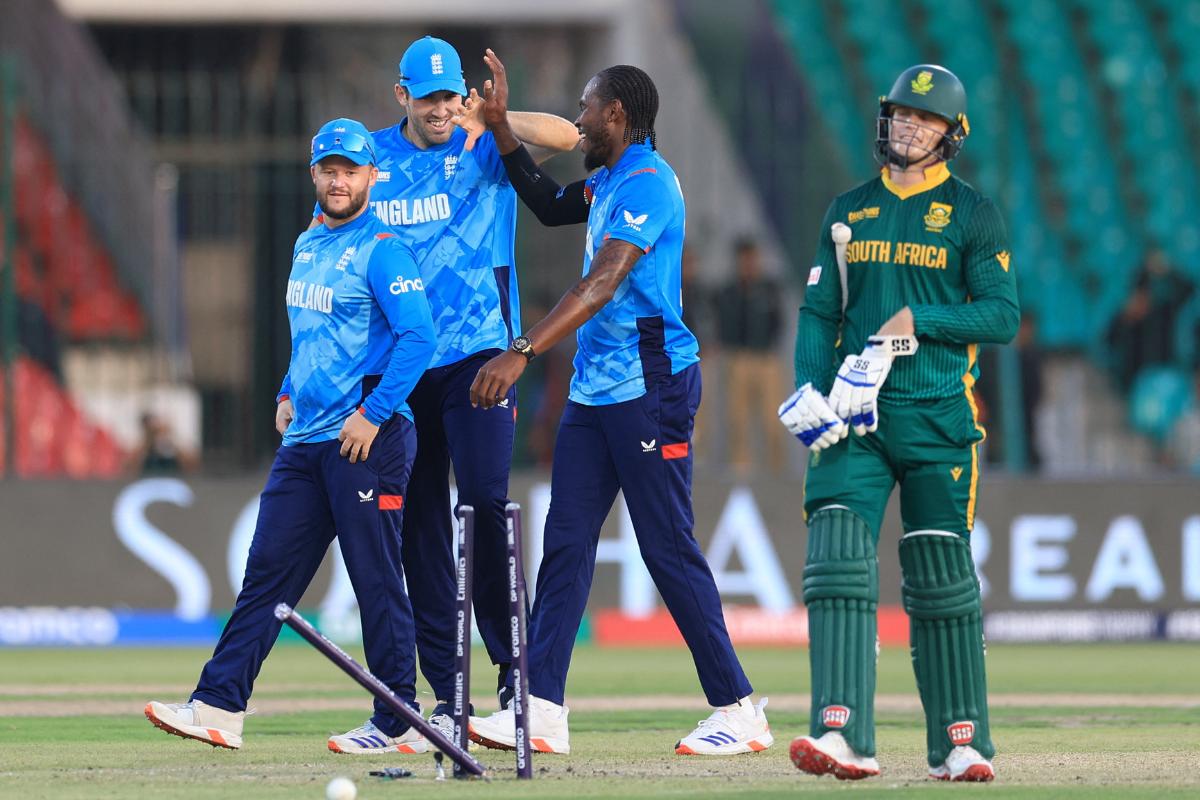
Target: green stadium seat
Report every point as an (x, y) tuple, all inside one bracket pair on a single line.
[(1159, 396)]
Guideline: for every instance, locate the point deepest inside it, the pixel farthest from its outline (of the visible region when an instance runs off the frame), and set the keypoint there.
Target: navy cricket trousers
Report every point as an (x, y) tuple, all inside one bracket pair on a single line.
[(641, 447), (478, 442), (312, 494)]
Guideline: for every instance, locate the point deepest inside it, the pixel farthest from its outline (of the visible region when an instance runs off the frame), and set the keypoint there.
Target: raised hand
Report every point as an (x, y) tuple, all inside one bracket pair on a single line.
[(470, 118), (495, 91)]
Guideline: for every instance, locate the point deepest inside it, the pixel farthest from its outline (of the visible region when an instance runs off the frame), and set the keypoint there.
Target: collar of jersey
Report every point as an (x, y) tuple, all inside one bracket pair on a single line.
[(353, 225), (632, 155), (406, 143), (934, 176)]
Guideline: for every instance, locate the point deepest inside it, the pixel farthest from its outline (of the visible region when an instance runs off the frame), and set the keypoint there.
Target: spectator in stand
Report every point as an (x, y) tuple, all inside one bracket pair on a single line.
[(749, 318), (1143, 332), (159, 453)]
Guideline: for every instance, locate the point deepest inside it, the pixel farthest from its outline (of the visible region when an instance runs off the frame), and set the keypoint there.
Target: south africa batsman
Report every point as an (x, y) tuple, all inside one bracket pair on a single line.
[(912, 274)]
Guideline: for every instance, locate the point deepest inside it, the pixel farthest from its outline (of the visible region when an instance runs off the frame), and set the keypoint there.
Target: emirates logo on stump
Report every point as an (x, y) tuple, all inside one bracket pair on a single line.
[(835, 716), (961, 732)]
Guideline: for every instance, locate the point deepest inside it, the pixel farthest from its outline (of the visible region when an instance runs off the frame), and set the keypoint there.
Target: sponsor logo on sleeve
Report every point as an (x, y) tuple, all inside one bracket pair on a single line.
[(814, 276), (1003, 258), (635, 222), (404, 285)]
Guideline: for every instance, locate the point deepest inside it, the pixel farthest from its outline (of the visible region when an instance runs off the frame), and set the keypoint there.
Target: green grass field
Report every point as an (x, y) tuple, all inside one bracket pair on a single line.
[(1078, 721)]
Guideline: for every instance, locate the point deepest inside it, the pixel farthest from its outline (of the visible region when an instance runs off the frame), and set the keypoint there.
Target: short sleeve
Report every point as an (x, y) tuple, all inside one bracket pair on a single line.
[(488, 158), (642, 208)]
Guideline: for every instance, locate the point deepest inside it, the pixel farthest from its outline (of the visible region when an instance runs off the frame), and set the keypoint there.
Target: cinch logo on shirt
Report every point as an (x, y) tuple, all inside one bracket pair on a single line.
[(304, 258), (312, 296), (404, 285), (383, 177), (412, 212)]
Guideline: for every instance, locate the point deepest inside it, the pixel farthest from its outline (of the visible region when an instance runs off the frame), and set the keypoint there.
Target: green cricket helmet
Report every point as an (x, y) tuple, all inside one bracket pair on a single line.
[(934, 90)]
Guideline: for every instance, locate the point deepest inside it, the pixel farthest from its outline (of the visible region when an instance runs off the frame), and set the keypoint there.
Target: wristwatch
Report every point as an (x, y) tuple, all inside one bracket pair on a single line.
[(522, 345)]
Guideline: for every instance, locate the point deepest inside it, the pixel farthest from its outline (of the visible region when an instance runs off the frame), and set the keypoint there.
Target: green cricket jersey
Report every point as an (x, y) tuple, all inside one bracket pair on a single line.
[(938, 247)]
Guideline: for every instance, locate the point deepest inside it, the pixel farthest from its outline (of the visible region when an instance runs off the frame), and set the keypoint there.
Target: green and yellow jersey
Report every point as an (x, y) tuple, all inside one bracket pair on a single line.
[(938, 247)]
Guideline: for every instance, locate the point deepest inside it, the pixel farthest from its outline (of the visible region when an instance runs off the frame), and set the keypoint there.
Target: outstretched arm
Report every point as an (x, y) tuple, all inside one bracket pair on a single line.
[(545, 134), (551, 203)]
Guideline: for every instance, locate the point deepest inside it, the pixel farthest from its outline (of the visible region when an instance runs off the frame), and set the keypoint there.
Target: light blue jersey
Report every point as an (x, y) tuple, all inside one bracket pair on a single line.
[(457, 211), (639, 337), (362, 334)]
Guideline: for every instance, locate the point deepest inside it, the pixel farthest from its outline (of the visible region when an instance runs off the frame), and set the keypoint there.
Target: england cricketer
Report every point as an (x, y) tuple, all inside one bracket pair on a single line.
[(442, 190), (628, 423), (912, 274), (362, 335)]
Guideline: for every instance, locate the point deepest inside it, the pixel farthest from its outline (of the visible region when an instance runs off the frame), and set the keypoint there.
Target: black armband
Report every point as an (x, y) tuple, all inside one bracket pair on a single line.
[(552, 204)]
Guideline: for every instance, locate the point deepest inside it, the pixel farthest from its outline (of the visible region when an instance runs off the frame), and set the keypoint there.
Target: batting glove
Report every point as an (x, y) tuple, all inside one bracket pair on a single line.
[(855, 392), (811, 420)]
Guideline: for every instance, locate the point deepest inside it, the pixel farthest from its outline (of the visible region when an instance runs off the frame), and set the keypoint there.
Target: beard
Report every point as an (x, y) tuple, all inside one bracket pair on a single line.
[(599, 149), (357, 201)]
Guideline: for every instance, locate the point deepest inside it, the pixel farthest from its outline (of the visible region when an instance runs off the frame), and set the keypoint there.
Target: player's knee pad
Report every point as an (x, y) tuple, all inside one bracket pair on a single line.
[(939, 581), (941, 595), (841, 590), (841, 563)]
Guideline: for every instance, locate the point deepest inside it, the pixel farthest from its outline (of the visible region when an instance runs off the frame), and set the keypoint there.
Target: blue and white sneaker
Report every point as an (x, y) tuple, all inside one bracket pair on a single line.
[(367, 739), (730, 730)]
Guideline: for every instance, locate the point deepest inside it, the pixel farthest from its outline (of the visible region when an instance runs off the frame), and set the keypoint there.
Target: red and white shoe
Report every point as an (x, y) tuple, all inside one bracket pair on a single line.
[(831, 755), (198, 720), (964, 764)]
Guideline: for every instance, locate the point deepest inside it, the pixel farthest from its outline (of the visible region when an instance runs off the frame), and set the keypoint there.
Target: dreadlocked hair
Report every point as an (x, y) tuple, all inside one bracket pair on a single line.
[(639, 98)]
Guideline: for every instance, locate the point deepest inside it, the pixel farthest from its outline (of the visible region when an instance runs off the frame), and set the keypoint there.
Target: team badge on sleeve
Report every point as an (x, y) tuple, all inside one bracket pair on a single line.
[(814, 276), (1003, 257)]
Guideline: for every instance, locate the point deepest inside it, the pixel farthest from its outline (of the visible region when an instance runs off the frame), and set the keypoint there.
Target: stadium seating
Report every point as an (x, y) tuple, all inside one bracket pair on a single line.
[(67, 275), (1078, 130)]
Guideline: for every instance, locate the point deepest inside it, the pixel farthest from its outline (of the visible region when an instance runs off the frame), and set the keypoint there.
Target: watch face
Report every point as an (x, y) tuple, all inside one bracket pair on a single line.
[(520, 343)]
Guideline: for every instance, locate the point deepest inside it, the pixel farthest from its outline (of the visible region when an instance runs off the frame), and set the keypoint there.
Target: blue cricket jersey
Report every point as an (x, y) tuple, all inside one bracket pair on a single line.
[(458, 212), (639, 336), (362, 334)]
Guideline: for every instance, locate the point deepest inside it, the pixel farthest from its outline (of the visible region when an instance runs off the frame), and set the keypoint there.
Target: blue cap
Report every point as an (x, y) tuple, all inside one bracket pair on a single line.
[(343, 137), (431, 65)]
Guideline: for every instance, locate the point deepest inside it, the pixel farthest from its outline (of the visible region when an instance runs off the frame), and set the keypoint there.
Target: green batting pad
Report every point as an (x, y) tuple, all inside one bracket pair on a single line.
[(941, 595), (841, 590)]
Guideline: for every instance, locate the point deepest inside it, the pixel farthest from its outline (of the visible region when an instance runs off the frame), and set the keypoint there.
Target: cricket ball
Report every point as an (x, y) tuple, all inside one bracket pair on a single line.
[(341, 788)]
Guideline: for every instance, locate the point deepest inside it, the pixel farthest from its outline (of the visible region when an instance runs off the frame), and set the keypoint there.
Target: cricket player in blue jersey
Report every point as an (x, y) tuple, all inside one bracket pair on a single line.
[(362, 335), (443, 191), (628, 423)]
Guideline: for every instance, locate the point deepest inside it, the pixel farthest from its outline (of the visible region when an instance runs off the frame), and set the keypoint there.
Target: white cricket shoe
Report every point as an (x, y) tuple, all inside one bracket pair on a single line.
[(198, 720), (831, 755), (964, 764), (547, 728), (730, 730), (367, 739)]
